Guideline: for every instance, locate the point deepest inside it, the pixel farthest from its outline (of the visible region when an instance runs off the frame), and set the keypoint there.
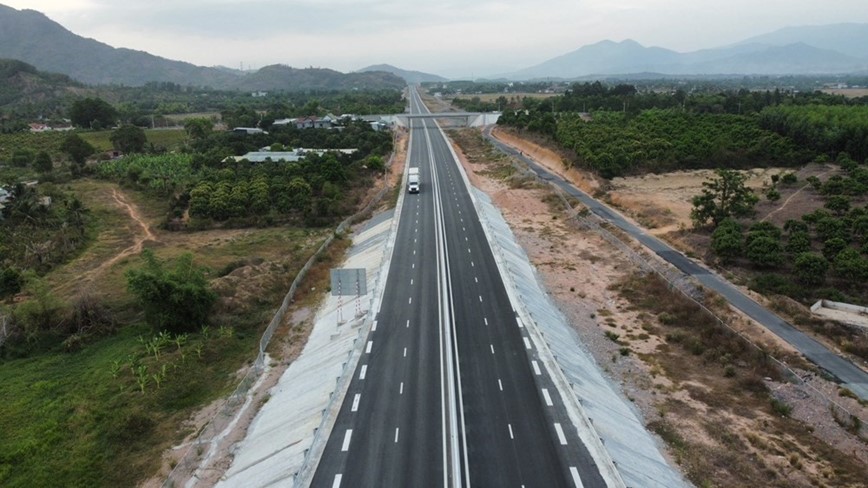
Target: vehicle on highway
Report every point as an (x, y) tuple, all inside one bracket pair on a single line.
[(413, 181)]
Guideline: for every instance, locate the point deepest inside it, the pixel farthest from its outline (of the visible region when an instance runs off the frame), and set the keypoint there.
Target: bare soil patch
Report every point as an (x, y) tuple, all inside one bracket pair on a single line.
[(713, 413)]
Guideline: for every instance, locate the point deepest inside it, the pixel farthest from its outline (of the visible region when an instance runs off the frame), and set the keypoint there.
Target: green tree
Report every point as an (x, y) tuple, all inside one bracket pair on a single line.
[(798, 243), (727, 241), (765, 252), (129, 139), (22, 158), (92, 113), (178, 299), (198, 128), (839, 204), (42, 162), (832, 247), (851, 266), (810, 268), (76, 148), (300, 193), (722, 197)]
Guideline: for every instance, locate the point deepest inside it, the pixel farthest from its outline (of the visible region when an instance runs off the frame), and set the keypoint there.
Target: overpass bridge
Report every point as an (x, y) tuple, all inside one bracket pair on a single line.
[(446, 119)]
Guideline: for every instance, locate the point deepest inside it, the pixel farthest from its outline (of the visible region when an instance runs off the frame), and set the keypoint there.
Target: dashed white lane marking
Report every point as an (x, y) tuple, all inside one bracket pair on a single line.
[(527, 343), (337, 482), (363, 372), (547, 397), (500, 384), (466, 239), (480, 298), (468, 250), (414, 252), (347, 436), (356, 400), (465, 230), (536, 370), (374, 326), (368, 348), (576, 479), (411, 281), (405, 352), (518, 321), (510, 431), (561, 437), (396, 434), (476, 279), (492, 348), (485, 319), (410, 301), (408, 323), (401, 390), (472, 265), (414, 265)]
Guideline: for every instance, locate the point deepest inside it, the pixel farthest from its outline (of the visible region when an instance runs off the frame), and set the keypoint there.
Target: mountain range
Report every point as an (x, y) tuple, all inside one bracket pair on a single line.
[(30, 36), (827, 49)]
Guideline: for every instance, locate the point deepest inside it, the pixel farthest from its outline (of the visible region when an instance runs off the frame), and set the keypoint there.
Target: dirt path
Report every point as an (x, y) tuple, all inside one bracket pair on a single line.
[(787, 201), (139, 239)]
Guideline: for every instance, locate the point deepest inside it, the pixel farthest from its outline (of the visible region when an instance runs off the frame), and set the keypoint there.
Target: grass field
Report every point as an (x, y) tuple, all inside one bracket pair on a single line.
[(102, 415)]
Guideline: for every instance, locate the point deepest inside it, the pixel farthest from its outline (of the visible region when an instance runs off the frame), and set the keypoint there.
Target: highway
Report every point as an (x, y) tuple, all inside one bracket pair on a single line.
[(450, 390)]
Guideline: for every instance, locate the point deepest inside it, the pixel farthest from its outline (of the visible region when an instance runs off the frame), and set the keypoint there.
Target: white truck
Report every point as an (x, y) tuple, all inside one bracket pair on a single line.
[(413, 180)]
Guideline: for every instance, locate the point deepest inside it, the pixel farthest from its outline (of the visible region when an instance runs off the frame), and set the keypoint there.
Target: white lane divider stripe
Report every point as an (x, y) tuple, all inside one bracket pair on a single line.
[(408, 323), (561, 437), (347, 436), (492, 348), (536, 370), (547, 397), (363, 372), (527, 343), (405, 352), (401, 390), (337, 482), (486, 320), (374, 326), (368, 347), (500, 384), (396, 434), (576, 479), (410, 301), (356, 400), (510, 431)]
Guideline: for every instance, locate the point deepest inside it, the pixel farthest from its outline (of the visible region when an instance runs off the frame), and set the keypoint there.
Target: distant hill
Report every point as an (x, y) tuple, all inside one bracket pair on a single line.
[(848, 39), (411, 77), (21, 83), (605, 57), (833, 49), (32, 37), (282, 77)]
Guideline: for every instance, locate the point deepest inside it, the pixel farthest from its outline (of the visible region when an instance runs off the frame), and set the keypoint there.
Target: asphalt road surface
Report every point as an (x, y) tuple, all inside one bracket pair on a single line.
[(449, 390)]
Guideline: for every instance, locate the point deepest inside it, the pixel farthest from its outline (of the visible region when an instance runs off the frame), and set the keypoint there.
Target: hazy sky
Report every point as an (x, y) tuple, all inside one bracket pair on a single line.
[(448, 37)]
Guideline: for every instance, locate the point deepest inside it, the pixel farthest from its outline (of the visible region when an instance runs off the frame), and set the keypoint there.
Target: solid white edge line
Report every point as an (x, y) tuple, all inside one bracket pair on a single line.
[(547, 397), (363, 372), (561, 437), (347, 436)]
